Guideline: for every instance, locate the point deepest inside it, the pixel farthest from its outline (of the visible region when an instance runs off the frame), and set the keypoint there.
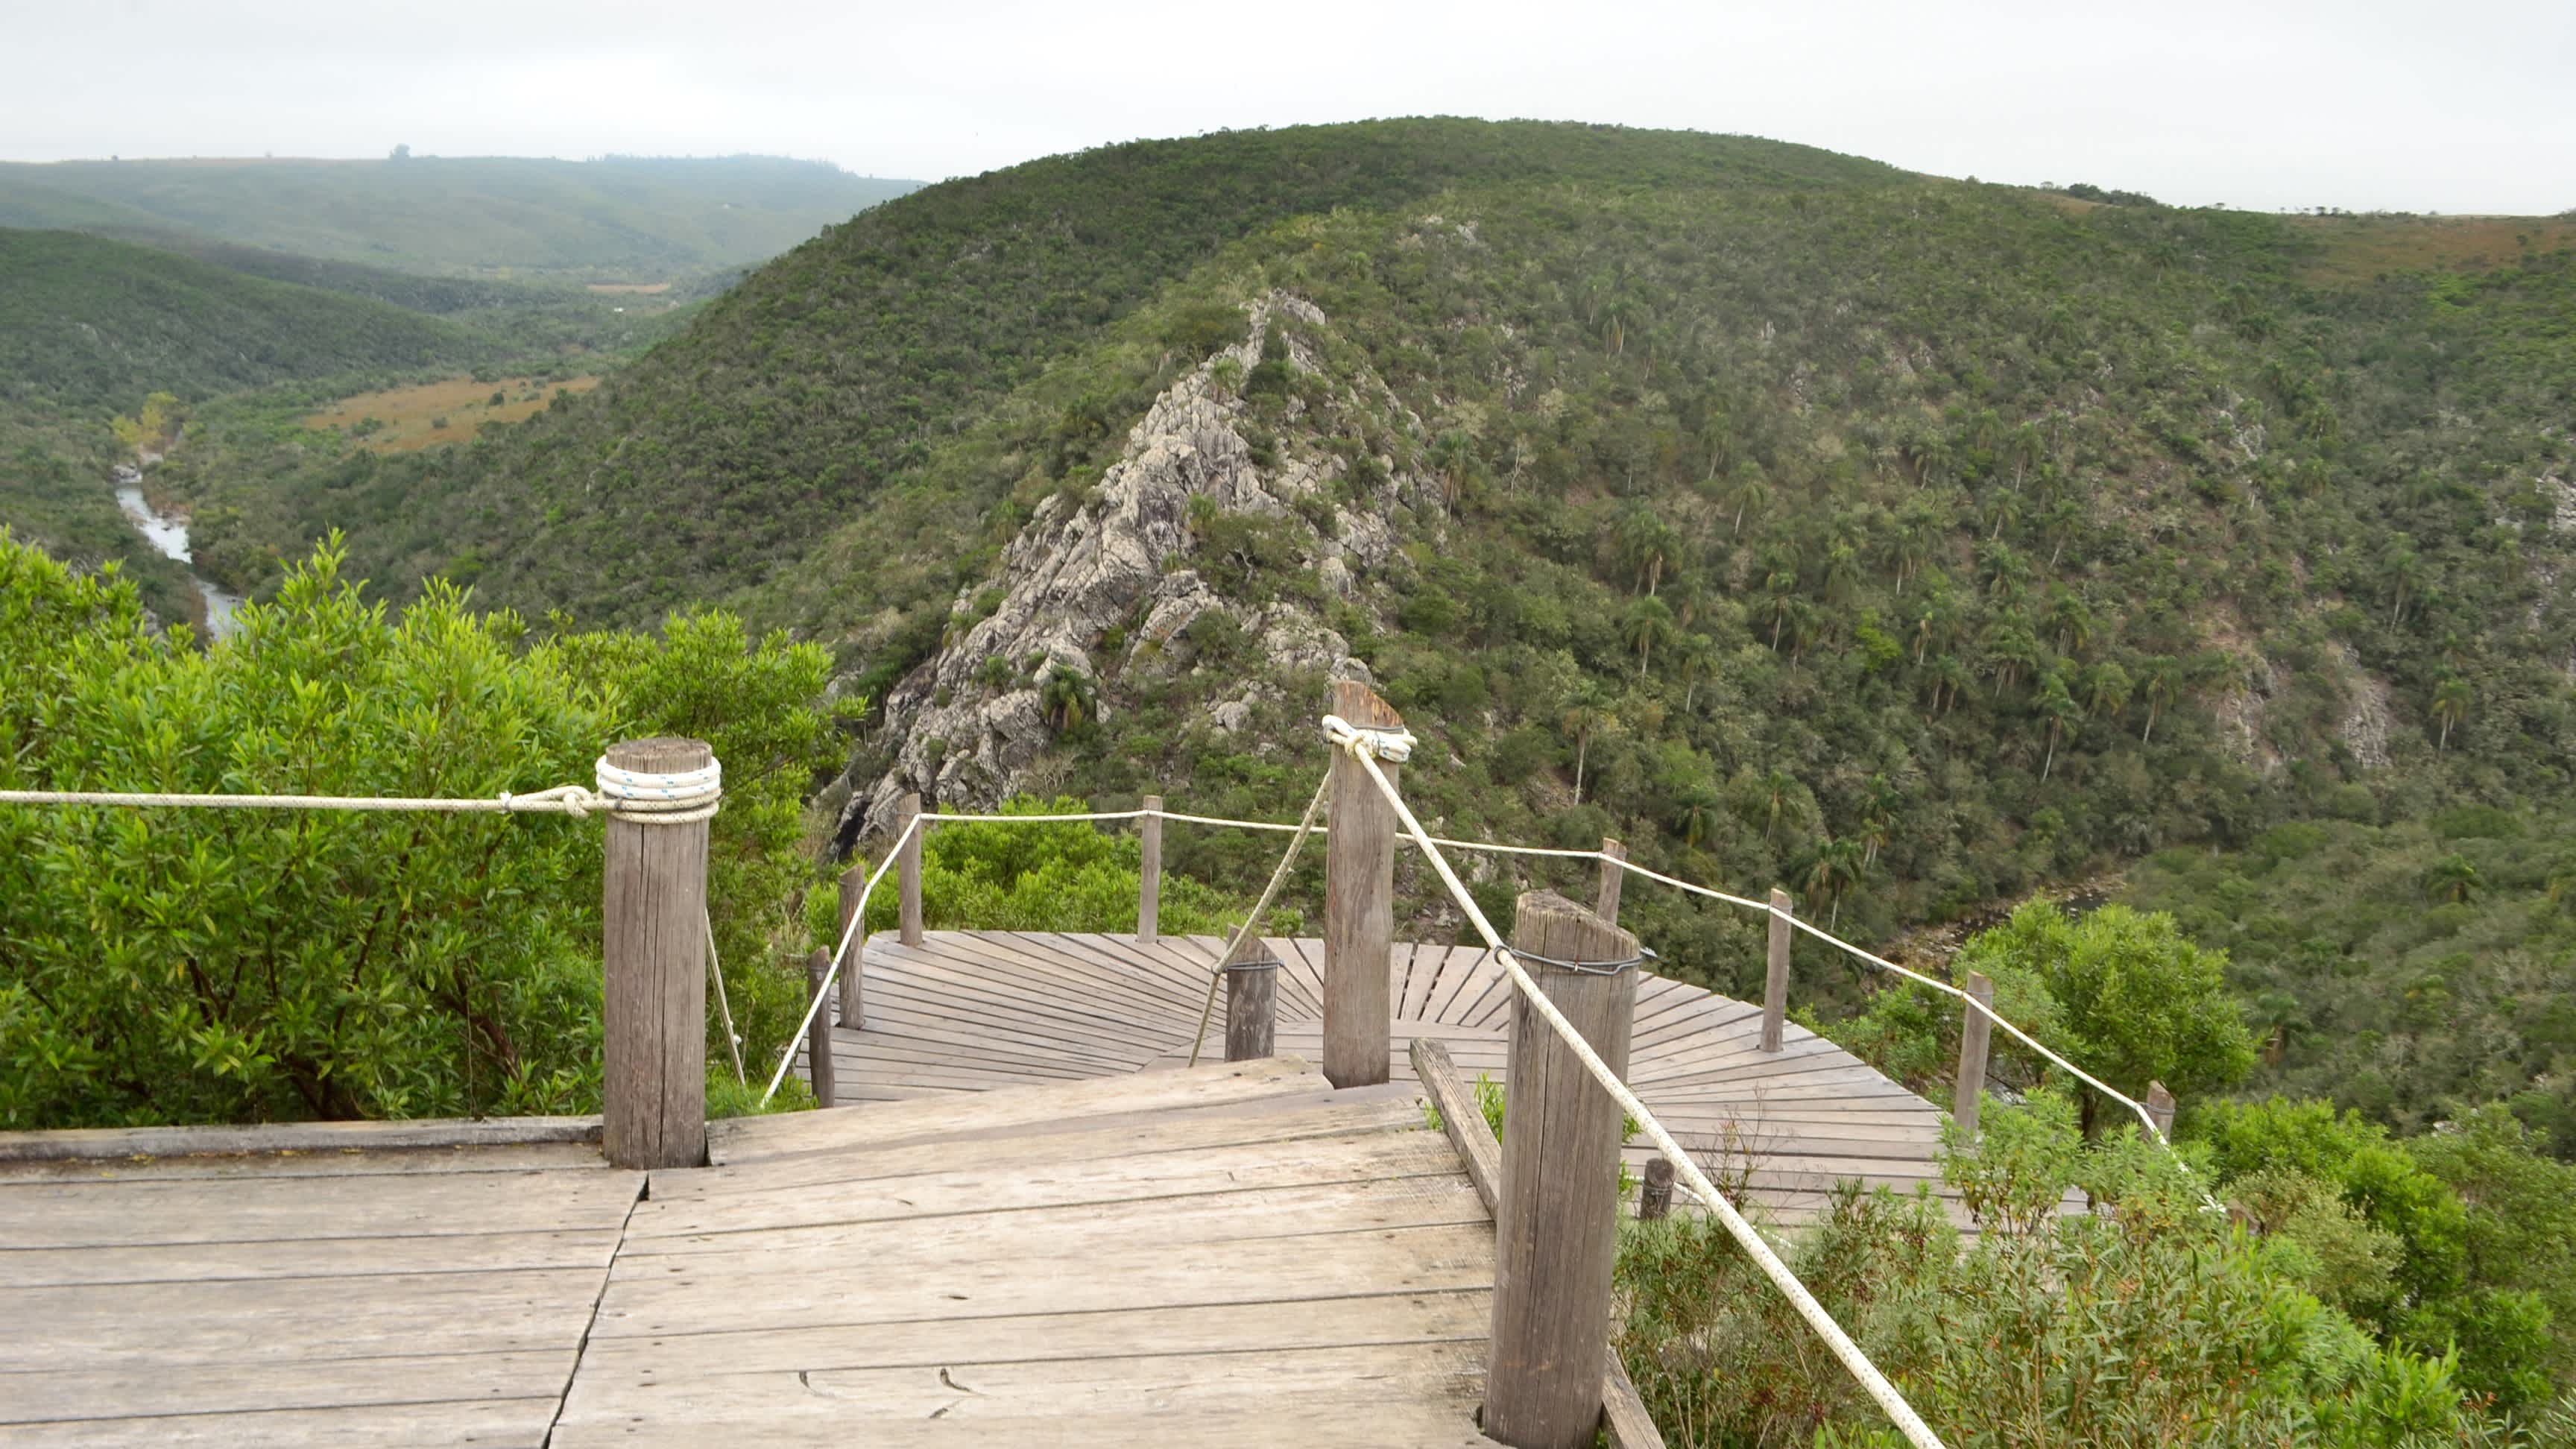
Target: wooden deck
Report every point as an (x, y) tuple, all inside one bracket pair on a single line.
[(1234, 1255), (972, 1010)]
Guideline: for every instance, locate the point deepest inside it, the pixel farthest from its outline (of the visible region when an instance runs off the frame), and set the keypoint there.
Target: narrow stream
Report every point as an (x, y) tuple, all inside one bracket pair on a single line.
[(170, 536)]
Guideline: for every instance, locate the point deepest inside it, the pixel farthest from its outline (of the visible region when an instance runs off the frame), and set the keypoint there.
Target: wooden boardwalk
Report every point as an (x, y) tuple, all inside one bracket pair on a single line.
[(1235, 1255), (973, 1010)]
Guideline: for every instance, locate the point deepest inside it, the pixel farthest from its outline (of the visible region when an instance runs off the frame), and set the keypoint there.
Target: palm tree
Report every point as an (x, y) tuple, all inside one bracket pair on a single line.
[(1834, 869), (1584, 715), (1649, 622), (2106, 688), (1067, 699), (2161, 678), (2453, 879), (1695, 816), (1940, 620), (2060, 710), (2450, 706), (1950, 678), (1777, 786), (2010, 649), (1697, 656), (1750, 493), (1649, 545), (1451, 454), (2072, 621)]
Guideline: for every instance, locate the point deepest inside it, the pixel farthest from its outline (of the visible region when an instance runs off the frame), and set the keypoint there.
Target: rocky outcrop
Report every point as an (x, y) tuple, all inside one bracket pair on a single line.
[(1108, 580)]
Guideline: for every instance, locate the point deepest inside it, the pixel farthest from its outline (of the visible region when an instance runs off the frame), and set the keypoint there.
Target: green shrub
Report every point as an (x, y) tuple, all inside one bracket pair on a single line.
[(1052, 876)]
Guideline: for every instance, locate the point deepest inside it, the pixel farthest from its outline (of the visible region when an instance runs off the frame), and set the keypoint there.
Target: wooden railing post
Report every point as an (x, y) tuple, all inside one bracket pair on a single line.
[(653, 1015), (1976, 1031), (1556, 1228), (818, 1038), (1251, 1001), (908, 868), (2160, 1106), (1775, 983), (1607, 907), (854, 1004), (1655, 1198), (1359, 903), (1149, 877)]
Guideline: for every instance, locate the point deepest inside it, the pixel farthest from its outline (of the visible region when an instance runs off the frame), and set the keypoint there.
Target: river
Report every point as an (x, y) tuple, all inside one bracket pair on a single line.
[(170, 536)]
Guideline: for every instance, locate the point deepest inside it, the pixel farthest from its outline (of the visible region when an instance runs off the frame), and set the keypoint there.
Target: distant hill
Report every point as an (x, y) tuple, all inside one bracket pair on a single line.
[(87, 322), (619, 218)]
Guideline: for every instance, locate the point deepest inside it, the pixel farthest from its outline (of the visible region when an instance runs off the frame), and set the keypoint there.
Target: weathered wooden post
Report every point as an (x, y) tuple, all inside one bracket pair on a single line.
[(1251, 1000), (2160, 1106), (908, 867), (1359, 903), (818, 1037), (1775, 984), (1149, 878), (854, 1003), (653, 1016), (1656, 1198), (1976, 1030), (1607, 907), (1556, 1228)]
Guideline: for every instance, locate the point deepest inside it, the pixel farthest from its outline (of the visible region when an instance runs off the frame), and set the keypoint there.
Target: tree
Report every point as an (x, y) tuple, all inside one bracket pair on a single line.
[(1649, 622), (1695, 816), (2160, 678), (1696, 655), (2057, 707), (1068, 698), (1585, 714), (2106, 689), (2452, 878), (2135, 1000), (1833, 870), (2450, 705), (1750, 494), (1648, 544), (1776, 789)]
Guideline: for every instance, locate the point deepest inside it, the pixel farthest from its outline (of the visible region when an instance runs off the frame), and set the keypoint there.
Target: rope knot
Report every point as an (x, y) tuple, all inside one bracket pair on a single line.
[(650, 799), (1390, 743)]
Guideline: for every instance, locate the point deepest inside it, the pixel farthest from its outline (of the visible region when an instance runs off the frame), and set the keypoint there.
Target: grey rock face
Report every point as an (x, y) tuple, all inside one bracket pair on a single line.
[(968, 730)]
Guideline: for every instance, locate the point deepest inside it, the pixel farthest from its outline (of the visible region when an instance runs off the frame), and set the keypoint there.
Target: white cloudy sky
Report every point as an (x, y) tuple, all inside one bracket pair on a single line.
[(2468, 105)]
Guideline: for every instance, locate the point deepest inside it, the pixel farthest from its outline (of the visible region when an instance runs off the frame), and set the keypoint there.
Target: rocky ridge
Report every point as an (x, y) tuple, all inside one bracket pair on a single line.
[(1113, 581)]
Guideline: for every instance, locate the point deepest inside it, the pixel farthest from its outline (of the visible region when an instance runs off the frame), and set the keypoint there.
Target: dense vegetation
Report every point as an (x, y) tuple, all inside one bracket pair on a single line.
[(183, 966), (1907, 542), (617, 218), (2153, 1323)]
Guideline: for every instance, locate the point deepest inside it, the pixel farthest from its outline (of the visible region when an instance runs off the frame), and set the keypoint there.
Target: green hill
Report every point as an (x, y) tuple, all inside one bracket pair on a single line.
[(1910, 542), (621, 218)]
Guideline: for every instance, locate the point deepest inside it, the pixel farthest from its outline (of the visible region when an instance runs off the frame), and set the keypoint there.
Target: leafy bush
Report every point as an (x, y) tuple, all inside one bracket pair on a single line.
[(2148, 1322), (1052, 876), (195, 965)]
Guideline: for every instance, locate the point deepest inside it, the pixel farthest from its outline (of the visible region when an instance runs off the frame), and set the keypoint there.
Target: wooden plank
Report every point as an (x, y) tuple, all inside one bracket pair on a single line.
[(1301, 1424), (433, 1132), (495, 1423), (249, 1321), (1287, 1155), (1623, 1410), (1437, 1196), (975, 1390), (338, 1162), (653, 1299), (105, 1214), (129, 1390), (1455, 1315), (306, 1257), (750, 1139), (1461, 1119)]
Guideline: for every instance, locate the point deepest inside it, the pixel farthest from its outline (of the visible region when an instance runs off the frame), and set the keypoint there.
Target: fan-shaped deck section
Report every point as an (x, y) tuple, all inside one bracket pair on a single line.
[(971, 1010)]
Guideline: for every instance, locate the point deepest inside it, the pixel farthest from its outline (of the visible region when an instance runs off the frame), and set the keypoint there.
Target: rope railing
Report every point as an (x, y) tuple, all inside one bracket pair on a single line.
[(1876, 1384)]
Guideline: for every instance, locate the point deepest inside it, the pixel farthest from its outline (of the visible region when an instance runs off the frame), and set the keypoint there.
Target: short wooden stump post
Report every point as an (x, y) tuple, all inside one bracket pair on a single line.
[(1556, 1226), (1655, 1198), (1251, 1001), (1359, 904), (2160, 1106), (908, 868), (653, 1017), (1775, 977), (818, 1037), (1149, 873), (1976, 1032), (854, 998), (1606, 902)]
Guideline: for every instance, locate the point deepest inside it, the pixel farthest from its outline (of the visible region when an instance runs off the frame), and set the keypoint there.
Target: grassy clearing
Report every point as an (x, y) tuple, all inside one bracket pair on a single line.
[(431, 414), (2359, 248)]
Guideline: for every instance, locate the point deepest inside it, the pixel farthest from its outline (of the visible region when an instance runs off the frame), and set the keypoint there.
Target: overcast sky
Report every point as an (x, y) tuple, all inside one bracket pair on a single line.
[(2462, 106)]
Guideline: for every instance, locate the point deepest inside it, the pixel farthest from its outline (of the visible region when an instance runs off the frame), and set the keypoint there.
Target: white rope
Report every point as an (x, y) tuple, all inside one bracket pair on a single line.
[(1260, 908), (639, 796), (715, 972), (856, 930), (1871, 1380)]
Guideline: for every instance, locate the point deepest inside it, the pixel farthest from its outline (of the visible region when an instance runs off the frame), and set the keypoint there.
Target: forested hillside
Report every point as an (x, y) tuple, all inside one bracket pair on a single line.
[(618, 218), (1910, 542)]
